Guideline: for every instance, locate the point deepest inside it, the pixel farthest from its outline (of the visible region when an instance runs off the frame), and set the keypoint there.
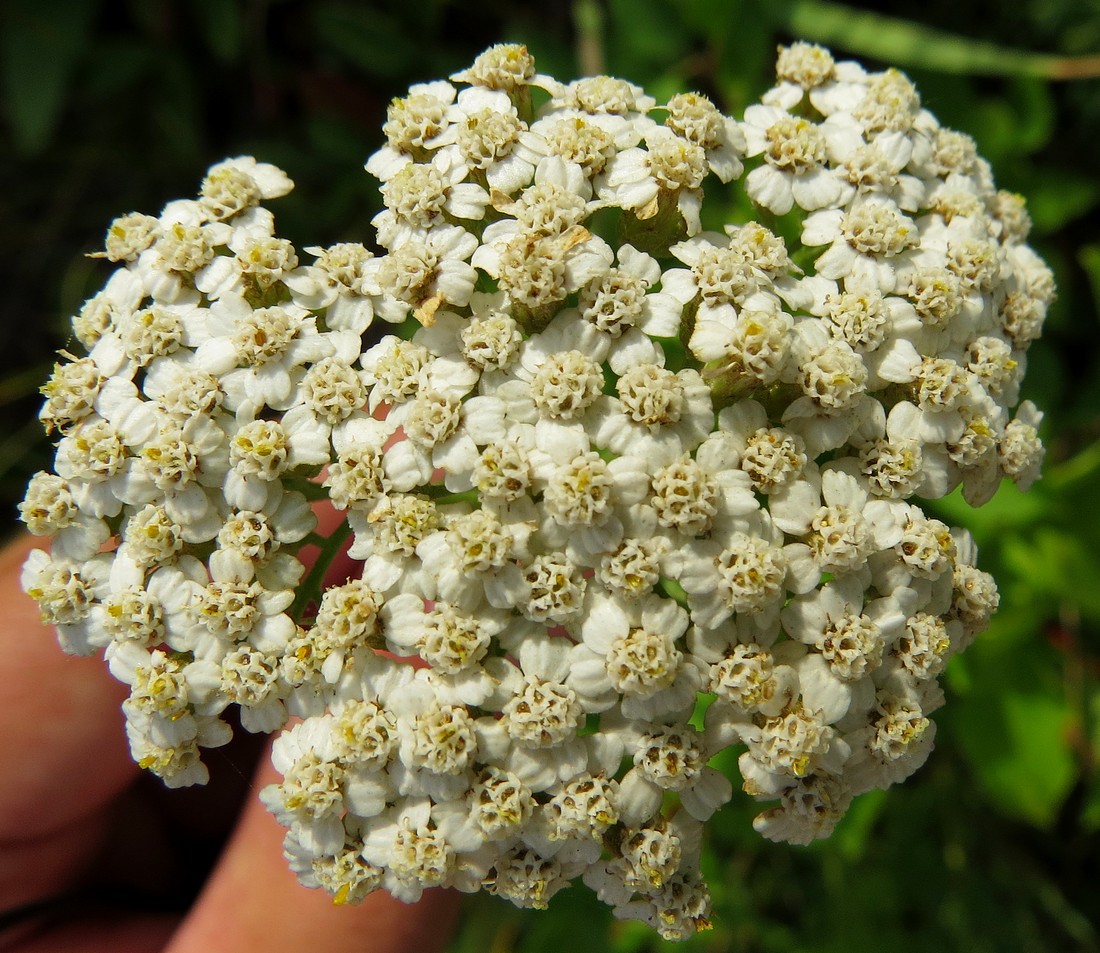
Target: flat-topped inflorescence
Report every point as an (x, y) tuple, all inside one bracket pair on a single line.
[(626, 492)]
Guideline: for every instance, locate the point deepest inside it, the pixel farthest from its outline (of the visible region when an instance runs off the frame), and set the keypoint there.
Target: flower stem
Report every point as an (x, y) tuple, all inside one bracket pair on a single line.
[(309, 593)]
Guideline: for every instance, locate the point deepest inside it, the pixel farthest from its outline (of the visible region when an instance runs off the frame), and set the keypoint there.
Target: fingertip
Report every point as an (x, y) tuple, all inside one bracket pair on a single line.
[(254, 902), (65, 749)]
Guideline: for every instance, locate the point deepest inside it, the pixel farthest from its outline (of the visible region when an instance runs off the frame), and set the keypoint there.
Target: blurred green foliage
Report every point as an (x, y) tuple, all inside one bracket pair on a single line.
[(115, 106)]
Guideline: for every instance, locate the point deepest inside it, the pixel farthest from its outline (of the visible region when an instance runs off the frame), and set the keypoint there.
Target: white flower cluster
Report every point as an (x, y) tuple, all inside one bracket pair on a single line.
[(607, 471)]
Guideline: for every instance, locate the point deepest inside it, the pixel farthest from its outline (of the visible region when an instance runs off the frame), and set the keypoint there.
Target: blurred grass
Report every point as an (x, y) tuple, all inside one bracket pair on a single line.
[(994, 846)]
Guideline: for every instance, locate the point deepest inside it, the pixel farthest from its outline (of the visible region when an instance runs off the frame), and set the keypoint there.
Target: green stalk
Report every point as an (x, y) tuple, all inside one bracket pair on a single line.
[(310, 489), (910, 44), (672, 589), (310, 589)]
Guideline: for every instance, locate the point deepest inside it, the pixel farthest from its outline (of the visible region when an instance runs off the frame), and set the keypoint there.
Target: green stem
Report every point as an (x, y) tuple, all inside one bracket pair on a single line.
[(310, 590), (588, 19), (534, 320), (308, 488), (658, 233), (672, 589), (443, 497), (728, 385), (908, 44), (521, 99)]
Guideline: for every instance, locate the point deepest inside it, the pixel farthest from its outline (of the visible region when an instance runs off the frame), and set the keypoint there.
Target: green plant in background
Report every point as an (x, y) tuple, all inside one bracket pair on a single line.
[(1011, 797)]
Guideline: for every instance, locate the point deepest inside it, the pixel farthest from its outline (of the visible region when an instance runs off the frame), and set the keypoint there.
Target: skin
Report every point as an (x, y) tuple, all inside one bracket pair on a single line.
[(83, 835)]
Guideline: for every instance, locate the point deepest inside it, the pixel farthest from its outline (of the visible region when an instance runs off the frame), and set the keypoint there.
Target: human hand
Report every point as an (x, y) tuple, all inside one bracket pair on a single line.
[(81, 834)]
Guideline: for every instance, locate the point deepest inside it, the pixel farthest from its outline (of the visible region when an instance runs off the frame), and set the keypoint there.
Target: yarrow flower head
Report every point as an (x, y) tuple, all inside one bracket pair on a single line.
[(593, 462)]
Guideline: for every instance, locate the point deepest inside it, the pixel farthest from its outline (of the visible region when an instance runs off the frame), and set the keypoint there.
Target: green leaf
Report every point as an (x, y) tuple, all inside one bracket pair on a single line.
[(1059, 566), (1077, 473), (40, 47), (1036, 779), (1009, 509), (1089, 257), (853, 833), (1060, 197), (574, 905), (1017, 743), (1091, 813), (1006, 127)]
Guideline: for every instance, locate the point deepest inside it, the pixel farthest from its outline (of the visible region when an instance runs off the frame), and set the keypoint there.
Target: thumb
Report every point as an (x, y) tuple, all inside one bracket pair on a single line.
[(253, 901)]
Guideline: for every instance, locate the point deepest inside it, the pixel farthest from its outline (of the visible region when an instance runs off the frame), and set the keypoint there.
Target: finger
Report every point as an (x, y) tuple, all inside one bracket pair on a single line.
[(60, 715), (254, 902), (342, 566), (155, 850), (65, 750)]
